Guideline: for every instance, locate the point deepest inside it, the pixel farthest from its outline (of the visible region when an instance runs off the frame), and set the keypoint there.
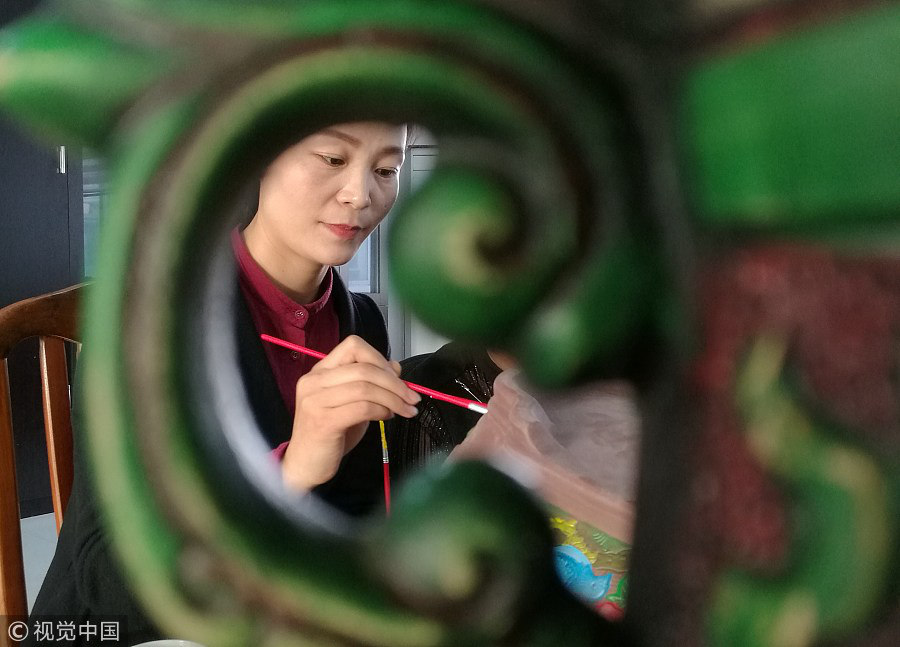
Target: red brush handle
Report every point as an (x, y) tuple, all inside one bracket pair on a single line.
[(387, 489), (437, 395)]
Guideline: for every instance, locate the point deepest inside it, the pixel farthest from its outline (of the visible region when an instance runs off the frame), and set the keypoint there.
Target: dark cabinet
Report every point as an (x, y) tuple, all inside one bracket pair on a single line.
[(41, 249)]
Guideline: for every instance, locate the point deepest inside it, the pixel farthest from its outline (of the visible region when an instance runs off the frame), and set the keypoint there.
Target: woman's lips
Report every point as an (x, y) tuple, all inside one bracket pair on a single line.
[(344, 232)]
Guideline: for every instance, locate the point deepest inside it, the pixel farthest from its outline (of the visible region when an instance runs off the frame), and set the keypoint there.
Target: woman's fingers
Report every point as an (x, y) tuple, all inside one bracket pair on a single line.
[(326, 399), (352, 385), (325, 378), (354, 349), (360, 412)]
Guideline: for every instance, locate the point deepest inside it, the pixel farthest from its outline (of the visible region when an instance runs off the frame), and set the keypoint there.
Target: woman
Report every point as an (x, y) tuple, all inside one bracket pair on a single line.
[(318, 201)]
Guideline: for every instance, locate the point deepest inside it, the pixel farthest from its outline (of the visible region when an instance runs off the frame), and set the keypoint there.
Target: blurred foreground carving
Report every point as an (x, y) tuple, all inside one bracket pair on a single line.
[(697, 198)]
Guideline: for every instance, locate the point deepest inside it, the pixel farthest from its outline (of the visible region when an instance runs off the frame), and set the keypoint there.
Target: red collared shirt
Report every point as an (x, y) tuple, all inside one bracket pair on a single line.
[(314, 325)]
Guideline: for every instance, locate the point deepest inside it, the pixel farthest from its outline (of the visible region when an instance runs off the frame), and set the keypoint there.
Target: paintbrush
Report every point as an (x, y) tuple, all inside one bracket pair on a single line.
[(471, 405), (387, 469)]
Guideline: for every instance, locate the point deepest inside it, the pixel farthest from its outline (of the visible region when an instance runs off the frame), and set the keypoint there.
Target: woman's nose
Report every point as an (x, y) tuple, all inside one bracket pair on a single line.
[(356, 190)]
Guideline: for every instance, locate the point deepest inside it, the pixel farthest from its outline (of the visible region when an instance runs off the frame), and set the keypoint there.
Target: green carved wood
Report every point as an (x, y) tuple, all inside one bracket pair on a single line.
[(845, 521), (561, 224), (799, 133)]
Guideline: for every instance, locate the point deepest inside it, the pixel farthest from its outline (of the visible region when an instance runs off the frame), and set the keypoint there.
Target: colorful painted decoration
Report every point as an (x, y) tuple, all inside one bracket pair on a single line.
[(591, 563)]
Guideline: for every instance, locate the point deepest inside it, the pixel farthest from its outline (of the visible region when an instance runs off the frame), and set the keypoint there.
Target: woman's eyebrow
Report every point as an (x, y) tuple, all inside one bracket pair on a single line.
[(350, 139)]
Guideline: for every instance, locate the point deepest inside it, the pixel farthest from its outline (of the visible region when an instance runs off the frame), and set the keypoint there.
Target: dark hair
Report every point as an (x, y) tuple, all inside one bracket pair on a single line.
[(247, 202)]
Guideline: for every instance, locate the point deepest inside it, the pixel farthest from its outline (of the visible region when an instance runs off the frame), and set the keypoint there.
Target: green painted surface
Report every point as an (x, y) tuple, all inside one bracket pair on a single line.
[(592, 321), (469, 213), (71, 83), (799, 131)]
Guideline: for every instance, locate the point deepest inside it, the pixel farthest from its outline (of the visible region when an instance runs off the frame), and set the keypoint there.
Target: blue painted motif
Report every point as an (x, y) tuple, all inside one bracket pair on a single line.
[(576, 572)]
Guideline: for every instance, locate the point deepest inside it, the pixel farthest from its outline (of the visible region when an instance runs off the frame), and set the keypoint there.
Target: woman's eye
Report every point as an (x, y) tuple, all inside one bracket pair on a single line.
[(332, 161), (387, 172)]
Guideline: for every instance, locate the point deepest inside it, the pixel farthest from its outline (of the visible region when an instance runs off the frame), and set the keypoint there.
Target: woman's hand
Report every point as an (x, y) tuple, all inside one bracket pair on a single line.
[(336, 400)]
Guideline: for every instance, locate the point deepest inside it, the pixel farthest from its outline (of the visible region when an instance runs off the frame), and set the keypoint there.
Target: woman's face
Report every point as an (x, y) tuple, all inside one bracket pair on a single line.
[(320, 198)]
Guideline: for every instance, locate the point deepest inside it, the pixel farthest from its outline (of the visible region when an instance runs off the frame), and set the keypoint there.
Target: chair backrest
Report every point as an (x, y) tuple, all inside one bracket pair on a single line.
[(53, 318)]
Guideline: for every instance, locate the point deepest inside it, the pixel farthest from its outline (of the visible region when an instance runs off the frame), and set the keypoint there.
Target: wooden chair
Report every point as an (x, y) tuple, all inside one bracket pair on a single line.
[(53, 318)]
